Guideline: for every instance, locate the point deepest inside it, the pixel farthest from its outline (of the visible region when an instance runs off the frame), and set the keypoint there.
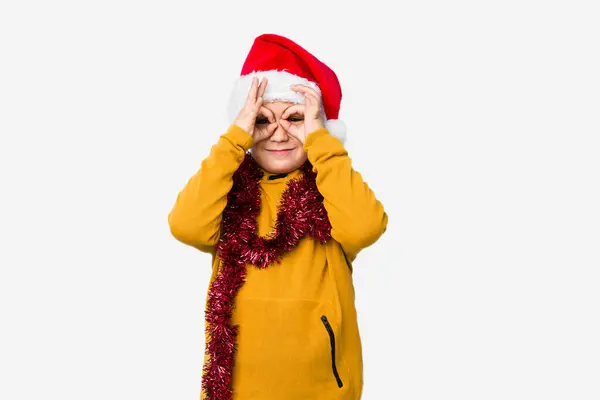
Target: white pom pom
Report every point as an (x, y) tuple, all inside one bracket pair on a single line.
[(337, 128)]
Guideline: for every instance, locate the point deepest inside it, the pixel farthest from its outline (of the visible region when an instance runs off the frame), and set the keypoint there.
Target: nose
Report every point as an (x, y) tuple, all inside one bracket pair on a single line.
[(280, 134)]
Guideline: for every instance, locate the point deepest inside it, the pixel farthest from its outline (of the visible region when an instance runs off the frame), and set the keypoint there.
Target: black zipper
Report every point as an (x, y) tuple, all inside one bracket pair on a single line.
[(277, 176), (332, 342)]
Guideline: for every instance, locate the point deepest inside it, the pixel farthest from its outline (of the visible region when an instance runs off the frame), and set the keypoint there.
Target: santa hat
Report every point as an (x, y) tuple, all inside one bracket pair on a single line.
[(285, 63)]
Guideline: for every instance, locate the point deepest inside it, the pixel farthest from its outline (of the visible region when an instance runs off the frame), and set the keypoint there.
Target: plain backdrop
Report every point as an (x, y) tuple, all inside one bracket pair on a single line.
[(476, 124)]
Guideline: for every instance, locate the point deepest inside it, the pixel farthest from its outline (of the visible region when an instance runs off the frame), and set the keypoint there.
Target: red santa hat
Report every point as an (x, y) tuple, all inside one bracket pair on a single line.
[(285, 63)]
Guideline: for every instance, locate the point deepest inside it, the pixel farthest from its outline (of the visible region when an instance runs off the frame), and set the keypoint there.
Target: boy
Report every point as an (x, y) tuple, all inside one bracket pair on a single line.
[(283, 213)]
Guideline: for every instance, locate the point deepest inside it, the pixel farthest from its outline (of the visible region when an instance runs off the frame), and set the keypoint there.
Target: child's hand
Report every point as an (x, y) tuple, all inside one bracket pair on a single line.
[(246, 119), (313, 120)]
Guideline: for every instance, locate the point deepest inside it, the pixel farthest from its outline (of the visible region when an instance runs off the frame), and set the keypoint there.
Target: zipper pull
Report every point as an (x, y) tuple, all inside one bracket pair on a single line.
[(277, 176)]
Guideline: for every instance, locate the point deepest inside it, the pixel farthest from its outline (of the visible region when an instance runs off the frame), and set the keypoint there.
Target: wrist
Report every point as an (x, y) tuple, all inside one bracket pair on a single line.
[(243, 126), (239, 136), (313, 126), (313, 137)]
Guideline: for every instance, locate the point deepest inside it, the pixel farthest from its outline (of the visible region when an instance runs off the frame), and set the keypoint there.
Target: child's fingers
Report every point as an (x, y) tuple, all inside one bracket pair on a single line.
[(267, 113), (251, 99), (288, 126), (306, 90), (257, 105), (262, 87), (297, 108), (310, 101), (313, 99)]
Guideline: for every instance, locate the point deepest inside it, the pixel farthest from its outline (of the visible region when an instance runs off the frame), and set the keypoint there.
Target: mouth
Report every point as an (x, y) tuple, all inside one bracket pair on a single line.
[(279, 152)]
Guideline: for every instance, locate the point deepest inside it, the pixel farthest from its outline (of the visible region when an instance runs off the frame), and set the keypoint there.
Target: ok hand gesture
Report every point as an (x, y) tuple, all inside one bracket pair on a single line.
[(246, 118), (311, 110)]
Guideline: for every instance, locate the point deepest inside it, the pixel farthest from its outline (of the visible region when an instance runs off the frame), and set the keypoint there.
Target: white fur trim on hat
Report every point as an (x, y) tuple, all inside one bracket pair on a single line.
[(278, 89), (337, 128)]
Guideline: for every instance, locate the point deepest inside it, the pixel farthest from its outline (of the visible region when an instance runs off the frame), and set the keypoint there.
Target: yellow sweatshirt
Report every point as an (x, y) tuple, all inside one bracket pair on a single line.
[(298, 333)]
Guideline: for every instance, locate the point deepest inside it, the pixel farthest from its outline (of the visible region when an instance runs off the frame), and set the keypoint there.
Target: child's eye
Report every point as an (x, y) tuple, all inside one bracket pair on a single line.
[(295, 119), (260, 121)]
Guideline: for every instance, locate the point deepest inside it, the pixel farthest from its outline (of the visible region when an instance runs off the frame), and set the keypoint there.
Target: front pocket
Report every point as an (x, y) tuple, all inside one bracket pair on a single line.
[(332, 345), (282, 350)]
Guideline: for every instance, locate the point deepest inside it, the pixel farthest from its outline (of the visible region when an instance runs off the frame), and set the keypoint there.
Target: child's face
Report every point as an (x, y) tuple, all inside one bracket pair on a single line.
[(271, 137)]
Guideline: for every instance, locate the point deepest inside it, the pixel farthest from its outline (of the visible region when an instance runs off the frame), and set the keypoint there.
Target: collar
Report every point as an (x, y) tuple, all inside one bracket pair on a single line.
[(270, 178)]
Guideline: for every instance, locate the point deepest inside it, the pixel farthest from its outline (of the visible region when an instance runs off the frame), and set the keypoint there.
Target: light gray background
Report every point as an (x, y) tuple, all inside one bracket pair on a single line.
[(476, 124)]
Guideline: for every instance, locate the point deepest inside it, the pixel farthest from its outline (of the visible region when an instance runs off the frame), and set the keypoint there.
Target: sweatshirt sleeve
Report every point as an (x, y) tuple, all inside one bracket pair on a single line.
[(357, 218), (195, 219)]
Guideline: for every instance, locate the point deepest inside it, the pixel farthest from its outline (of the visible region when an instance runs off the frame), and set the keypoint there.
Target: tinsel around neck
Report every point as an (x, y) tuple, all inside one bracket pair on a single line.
[(300, 213)]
